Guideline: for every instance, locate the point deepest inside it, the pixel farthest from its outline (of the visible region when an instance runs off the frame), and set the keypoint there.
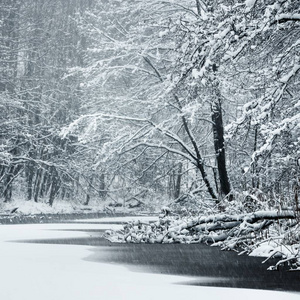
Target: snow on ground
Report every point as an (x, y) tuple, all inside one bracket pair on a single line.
[(59, 272), (61, 206)]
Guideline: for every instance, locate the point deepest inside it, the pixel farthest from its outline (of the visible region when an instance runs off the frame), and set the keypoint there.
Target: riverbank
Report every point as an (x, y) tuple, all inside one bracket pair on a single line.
[(30, 212), (16, 218)]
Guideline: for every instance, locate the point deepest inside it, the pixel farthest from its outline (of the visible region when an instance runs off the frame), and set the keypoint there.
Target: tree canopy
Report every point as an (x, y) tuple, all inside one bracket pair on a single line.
[(143, 100)]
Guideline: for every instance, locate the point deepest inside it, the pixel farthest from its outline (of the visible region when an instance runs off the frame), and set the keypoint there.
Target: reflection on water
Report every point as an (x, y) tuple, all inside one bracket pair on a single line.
[(224, 268)]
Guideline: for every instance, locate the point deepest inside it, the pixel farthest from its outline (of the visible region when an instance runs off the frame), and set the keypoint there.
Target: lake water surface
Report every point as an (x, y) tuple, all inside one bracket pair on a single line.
[(204, 265)]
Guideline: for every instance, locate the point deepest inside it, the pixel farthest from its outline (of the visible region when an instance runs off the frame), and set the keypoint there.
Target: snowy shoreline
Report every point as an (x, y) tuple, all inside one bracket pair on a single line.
[(53, 217)]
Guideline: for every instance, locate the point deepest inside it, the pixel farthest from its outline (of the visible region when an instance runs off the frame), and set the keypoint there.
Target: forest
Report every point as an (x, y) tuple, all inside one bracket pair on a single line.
[(141, 103), (146, 99)]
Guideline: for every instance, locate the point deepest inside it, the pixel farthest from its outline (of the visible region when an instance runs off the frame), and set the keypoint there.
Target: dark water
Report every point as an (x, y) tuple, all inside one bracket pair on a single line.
[(226, 269), (219, 268)]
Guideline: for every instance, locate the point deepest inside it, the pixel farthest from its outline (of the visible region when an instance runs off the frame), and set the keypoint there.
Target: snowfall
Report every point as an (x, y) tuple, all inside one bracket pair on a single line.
[(51, 271)]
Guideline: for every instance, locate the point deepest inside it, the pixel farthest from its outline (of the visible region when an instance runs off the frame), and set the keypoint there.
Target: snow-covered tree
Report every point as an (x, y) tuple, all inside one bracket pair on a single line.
[(39, 40), (268, 69), (154, 67)]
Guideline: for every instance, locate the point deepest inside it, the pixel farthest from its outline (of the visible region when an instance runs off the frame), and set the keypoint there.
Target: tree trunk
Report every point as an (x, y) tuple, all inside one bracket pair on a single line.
[(54, 185), (218, 132), (7, 191), (12, 173), (216, 179), (198, 158), (102, 192), (255, 173), (177, 188), (198, 5), (37, 185), (89, 191), (29, 173)]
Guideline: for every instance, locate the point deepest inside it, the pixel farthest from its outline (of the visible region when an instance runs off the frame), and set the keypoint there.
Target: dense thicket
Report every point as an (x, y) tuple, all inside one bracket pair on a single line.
[(142, 100), (39, 41)]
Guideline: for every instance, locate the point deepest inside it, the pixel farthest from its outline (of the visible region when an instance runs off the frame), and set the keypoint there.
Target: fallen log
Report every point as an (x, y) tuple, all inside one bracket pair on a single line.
[(249, 217), (239, 232), (225, 221), (200, 229)]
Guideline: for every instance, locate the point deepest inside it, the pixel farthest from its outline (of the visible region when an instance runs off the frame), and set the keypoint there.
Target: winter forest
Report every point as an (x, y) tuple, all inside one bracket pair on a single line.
[(141, 103), (181, 100)]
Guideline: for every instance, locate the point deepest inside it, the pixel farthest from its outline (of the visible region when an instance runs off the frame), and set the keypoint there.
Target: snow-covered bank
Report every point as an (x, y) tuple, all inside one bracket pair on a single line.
[(58, 207), (28, 212), (46, 271)]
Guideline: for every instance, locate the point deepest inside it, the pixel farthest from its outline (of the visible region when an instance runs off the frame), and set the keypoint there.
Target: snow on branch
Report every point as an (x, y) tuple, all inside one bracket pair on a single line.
[(87, 123), (258, 109), (282, 18), (85, 120), (249, 5), (232, 232), (273, 133), (161, 146), (285, 79), (197, 229)]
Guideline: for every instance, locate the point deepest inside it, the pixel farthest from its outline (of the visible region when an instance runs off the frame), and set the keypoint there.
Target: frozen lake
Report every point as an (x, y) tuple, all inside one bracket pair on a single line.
[(71, 261)]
